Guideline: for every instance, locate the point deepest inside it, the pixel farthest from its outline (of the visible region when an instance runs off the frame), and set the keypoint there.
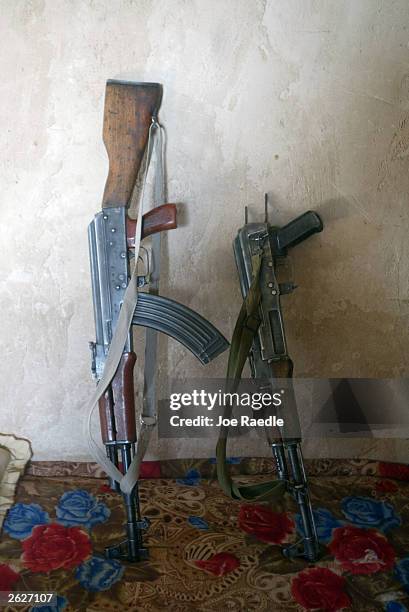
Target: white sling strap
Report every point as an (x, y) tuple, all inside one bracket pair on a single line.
[(148, 415)]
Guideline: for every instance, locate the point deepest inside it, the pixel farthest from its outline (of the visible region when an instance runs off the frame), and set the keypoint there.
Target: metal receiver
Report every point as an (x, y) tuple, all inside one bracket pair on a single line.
[(109, 277)]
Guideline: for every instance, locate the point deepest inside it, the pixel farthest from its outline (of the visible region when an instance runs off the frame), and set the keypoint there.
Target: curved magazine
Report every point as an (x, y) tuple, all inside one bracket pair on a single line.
[(181, 323)]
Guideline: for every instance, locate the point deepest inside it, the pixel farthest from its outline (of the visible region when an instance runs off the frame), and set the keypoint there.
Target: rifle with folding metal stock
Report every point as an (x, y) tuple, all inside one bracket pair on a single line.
[(130, 121), (259, 250)]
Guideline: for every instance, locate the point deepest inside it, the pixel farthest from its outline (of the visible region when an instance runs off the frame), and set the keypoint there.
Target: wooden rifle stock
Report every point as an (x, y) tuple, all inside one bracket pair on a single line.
[(128, 112)]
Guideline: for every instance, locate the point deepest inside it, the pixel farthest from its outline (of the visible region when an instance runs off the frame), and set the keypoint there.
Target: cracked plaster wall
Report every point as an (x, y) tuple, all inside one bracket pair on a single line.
[(308, 100)]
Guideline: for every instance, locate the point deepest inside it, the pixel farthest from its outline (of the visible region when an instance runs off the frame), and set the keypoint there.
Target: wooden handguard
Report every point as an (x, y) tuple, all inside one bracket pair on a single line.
[(129, 108), (107, 417), (117, 405)]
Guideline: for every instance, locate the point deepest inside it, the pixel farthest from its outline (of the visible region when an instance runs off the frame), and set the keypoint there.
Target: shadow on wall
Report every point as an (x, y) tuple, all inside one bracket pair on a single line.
[(341, 320)]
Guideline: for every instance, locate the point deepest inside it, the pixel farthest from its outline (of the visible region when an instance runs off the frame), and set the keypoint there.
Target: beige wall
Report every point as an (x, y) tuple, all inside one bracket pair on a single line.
[(307, 100)]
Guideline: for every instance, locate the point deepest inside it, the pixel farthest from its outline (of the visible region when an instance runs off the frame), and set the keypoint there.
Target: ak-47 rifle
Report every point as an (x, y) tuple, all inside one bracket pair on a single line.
[(129, 118), (259, 250)]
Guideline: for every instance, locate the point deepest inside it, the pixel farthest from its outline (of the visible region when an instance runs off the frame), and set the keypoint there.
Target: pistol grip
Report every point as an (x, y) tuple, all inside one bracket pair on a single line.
[(159, 219), (298, 230)]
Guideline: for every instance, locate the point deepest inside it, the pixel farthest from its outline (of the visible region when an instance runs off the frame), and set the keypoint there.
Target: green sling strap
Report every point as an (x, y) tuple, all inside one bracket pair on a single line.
[(245, 329)]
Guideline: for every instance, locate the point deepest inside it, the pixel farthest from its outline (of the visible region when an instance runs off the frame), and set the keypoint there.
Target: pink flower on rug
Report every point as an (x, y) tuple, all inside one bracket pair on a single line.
[(8, 577), (319, 588), (54, 546), (219, 565), (361, 551), (264, 524), (400, 471), (386, 486)]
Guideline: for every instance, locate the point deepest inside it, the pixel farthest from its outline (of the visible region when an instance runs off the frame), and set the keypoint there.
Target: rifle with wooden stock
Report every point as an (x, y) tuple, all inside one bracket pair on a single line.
[(129, 133)]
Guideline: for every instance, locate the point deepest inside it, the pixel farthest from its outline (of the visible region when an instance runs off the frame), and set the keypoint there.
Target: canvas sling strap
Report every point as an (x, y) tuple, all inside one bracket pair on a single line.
[(244, 332), (126, 481), (148, 416)]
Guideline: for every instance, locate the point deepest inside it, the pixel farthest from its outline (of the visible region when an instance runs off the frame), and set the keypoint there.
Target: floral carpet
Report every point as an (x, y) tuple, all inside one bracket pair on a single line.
[(207, 552)]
